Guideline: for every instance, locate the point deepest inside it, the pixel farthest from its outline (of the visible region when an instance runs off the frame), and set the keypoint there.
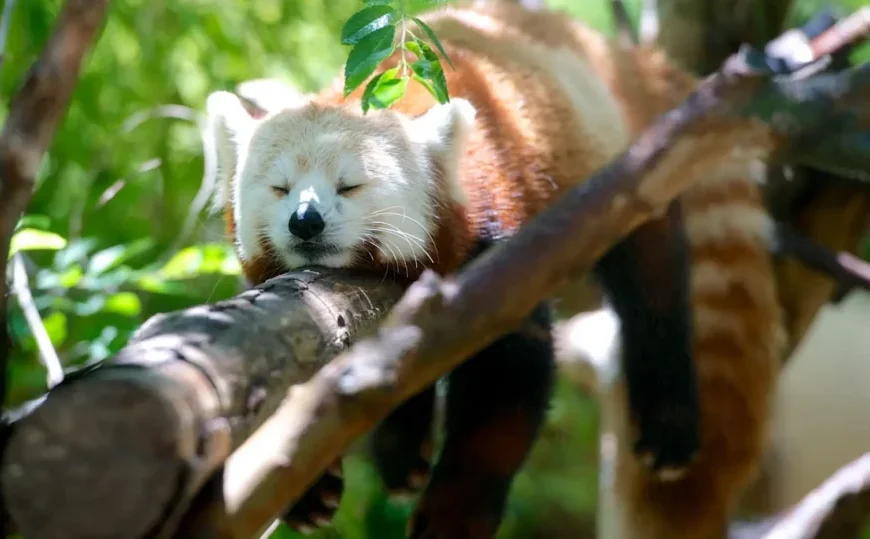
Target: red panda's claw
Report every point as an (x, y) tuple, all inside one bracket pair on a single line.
[(668, 442), (317, 506)]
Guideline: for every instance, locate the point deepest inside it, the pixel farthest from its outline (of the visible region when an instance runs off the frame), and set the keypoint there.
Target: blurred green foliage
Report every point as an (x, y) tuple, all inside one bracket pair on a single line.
[(116, 231)]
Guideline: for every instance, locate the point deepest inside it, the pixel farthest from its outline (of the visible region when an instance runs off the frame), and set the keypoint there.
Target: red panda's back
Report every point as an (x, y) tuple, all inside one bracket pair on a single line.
[(543, 120)]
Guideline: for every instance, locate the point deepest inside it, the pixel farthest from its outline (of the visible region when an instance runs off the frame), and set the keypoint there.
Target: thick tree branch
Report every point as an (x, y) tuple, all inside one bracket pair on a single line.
[(35, 111), (116, 450), (439, 322)]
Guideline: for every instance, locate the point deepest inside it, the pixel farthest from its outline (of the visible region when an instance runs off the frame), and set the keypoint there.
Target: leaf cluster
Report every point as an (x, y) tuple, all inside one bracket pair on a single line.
[(376, 32)]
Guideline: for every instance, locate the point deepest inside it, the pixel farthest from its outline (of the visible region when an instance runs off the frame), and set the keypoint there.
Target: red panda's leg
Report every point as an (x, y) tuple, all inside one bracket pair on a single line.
[(646, 279), (496, 404), (319, 503), (402, 444)]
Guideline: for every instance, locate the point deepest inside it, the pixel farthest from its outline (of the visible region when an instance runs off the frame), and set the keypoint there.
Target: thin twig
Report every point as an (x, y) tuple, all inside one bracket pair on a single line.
[(625, 30), (847, 269), (850, 31), (47, 353)]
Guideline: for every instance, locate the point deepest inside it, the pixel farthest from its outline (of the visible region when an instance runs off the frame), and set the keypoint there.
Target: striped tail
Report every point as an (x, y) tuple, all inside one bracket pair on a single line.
[(739, 341)]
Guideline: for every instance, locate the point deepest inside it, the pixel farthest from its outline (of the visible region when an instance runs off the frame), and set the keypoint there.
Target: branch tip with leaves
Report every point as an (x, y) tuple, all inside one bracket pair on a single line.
[(372, 31)]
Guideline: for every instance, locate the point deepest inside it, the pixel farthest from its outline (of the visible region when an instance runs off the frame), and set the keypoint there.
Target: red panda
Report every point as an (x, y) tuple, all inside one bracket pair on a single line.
[(538, 103)]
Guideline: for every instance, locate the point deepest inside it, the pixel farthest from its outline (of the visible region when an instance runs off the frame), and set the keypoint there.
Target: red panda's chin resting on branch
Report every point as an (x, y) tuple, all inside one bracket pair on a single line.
[(538, 103)]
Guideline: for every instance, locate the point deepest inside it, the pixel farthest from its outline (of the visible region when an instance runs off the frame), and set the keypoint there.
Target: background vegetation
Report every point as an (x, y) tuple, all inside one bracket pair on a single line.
[(116, 231)]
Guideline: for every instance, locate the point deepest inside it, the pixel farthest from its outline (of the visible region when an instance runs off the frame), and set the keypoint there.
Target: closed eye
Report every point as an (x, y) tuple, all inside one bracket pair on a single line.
[(347, 189), (280, 191)]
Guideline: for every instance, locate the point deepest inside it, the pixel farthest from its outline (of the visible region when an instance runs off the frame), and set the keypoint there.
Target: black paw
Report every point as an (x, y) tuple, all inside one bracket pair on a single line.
[(459, 509), (668, 438), (403, 470), (316, 508)]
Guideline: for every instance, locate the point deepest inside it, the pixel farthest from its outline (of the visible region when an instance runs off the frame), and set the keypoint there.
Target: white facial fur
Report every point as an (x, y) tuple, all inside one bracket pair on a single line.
[(311, 152)]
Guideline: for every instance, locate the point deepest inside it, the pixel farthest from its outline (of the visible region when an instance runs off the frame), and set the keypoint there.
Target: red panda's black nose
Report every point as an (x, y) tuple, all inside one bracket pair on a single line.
[(306, 222)]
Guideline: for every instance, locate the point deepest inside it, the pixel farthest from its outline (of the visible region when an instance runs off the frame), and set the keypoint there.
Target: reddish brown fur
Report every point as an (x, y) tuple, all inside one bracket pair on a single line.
[(518, 159)]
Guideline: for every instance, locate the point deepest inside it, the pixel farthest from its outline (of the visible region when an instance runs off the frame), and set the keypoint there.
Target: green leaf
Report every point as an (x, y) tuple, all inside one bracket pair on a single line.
[(367, 93), (34, 221), (432, 37), (103, 261), (76, 252), (421, 50), (415, 6), (67, 278), (125, 303), (387, 93), (428, 71), (366, 21), (384, 90), (30, 239), (152, 283), (200, 259), (366, 55), (436, 92), (56, 327), (377, 2)]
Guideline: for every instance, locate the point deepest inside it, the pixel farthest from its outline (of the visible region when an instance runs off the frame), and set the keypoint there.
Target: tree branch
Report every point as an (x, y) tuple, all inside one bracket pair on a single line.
[(847, 269), (133, 439), (439, 322), (837, 509), (35, 111)]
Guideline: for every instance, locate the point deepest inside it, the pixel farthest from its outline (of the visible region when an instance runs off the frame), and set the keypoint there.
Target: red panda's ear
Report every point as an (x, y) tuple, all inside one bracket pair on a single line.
[(443, 127), (442, 130), (229, 127), (270, 95)]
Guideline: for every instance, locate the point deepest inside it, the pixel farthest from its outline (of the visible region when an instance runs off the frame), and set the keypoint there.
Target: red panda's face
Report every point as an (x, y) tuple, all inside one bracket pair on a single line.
[(330, 186)]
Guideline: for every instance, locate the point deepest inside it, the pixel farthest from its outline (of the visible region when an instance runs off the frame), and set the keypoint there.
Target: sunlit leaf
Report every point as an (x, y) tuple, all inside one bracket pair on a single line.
[(126, 303), (387, 91), (366, 55), (68, 278), (432, 37), (116, 255), (366, 21), (56, 327), (91, 306), (154, 284), (34, 221), (30, 239), (76, 251), (428, 68), (199, 259)]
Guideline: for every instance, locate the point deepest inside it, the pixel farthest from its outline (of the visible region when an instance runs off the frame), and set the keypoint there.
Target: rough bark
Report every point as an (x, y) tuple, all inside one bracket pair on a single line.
[(119, 450)]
